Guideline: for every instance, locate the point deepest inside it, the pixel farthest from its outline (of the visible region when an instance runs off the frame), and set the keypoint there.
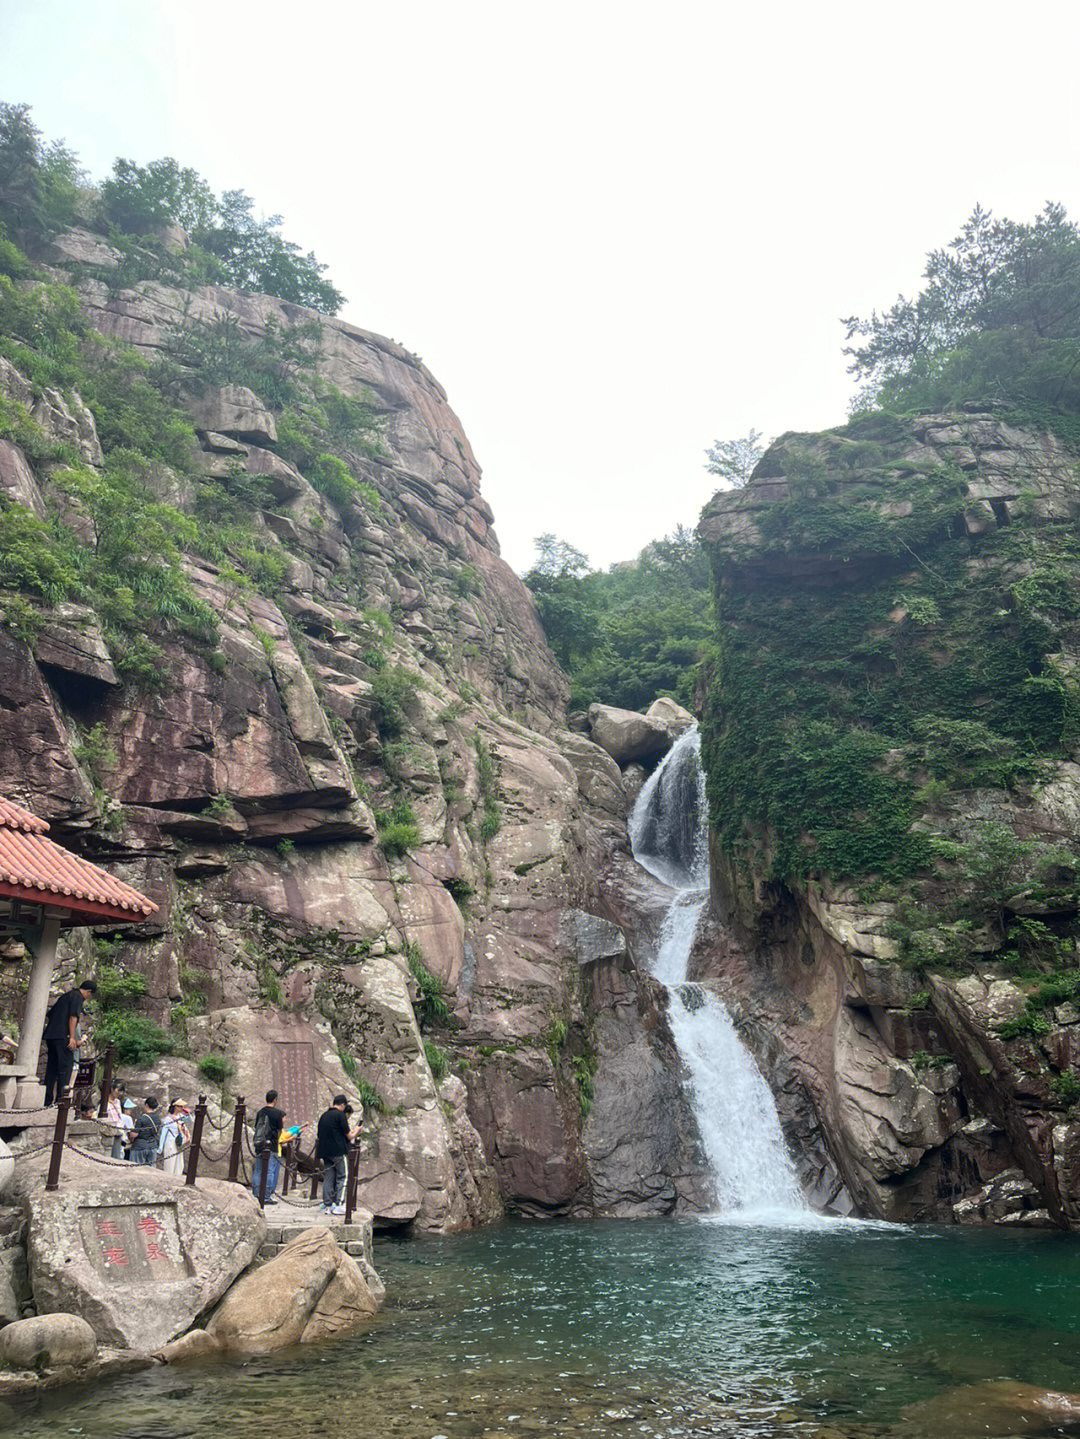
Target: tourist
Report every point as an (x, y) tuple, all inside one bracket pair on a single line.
[(127, 1124), (173, 1137), (266, 1142), (145, 1134), (114, 1115), (331, 1146), (60, 1041)]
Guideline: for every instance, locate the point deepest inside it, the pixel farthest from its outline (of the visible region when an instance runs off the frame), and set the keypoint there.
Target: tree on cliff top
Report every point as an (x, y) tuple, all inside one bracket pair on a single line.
[(44, 190), (734, 461), (39, 183), (998, 318)]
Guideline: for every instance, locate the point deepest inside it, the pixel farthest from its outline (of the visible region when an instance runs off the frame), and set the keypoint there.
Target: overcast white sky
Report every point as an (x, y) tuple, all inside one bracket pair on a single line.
[(614, 232)]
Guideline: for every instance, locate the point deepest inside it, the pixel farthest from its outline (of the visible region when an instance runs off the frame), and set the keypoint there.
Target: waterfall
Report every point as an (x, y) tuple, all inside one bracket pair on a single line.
[(733, 1105)]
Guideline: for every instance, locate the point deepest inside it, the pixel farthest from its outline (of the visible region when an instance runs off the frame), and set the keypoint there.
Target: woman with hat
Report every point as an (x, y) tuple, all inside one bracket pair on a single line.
[(174, 1137)]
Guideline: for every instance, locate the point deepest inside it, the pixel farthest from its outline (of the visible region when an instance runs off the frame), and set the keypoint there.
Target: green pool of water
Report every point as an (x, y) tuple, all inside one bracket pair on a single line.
[(651, 1329)]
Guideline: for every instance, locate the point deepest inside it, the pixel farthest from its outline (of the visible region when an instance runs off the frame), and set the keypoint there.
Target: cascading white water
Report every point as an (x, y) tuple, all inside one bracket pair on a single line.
[(734, 1107)]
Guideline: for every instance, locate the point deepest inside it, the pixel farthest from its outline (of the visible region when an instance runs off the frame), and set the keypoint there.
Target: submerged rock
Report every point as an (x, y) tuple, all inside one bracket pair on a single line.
[(999, 1406)]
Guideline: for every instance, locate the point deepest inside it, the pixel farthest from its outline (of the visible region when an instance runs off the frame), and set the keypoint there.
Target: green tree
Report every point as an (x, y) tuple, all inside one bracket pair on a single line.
[(137, 198), (733, 461), (565, 593), (631, 633), (998, 317), (255, 256), (39, 183)]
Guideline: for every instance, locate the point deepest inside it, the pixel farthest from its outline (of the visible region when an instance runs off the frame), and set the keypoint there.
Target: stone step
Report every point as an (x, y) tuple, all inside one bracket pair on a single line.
[(343, 1233), (353, 1238)]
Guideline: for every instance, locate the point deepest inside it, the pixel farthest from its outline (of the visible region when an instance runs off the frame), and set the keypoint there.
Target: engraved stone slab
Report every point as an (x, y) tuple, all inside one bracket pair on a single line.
[(134, 1242), (293, 1068), (136, 1252)]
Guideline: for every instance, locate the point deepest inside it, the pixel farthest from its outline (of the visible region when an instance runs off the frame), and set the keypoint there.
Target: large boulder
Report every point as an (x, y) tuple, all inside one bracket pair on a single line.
[(670, 716), (47, 1341), (310, 1291), (627, 735), (236, 411), (135, 1252)]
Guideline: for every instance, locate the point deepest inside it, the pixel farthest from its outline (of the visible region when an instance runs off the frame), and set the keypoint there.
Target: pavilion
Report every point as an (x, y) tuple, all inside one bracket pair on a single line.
[(44, 889)]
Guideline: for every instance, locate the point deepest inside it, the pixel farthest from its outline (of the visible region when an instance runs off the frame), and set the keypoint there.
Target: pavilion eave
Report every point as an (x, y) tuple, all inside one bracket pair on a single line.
[(72, 911)]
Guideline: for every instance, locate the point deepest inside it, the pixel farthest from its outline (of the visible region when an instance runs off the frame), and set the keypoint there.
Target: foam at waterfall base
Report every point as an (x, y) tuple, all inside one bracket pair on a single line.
[(801, 1220)]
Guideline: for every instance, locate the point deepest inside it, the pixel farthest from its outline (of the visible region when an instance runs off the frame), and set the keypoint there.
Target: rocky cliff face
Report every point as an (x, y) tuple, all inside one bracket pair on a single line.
[(891, 738), (359, 811)]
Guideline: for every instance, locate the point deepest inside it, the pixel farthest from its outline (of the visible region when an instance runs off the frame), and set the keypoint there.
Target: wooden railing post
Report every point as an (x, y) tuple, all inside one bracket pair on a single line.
[(196, 1139), (236, 1149), (106, 1079), (62, 1106), (263, 1177)]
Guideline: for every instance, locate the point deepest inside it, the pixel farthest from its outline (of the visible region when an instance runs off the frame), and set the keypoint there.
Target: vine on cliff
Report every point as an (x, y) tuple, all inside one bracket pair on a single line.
[(837, 714)]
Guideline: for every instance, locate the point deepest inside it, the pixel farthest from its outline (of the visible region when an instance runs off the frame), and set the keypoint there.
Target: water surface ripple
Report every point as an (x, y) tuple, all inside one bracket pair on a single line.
[(651, 1328)]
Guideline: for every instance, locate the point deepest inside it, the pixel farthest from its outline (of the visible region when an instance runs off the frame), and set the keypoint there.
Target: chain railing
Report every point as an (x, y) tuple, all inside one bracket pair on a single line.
[(293, 1157)]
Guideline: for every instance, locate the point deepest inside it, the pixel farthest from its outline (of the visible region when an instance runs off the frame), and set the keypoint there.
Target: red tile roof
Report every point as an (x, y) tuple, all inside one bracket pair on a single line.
[(35, 869), (12, 817)]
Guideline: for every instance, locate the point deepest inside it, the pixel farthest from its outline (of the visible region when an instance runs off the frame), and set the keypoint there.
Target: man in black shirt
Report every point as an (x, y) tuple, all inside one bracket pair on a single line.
[(331, 1146), (265, 1142), (60, 1043)]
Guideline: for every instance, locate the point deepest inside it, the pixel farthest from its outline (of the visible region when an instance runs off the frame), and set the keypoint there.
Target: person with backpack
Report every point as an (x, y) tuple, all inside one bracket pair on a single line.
[(146, 1133), (266, 1142)]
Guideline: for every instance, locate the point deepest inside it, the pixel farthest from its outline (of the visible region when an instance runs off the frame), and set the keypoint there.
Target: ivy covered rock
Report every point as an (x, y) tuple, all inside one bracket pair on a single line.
[(891, 734)]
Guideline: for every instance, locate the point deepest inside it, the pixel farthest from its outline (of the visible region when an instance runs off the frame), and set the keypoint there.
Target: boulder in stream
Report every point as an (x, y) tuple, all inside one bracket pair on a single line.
[(311, 1290)]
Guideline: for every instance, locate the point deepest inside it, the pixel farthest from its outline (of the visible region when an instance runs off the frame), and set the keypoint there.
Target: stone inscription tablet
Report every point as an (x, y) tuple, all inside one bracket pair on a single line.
[(135, 1243), (293, 1067)]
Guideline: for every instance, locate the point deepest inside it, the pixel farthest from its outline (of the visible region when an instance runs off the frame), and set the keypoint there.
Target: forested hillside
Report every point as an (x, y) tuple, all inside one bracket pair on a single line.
[(632, 632)]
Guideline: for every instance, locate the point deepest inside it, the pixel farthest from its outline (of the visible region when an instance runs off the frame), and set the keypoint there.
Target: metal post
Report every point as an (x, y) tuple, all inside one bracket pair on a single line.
[(106, 1079), (286, 1161), (62, 1107), (236, 1148), (196, 1139), (353, 1168), (316, 1175)]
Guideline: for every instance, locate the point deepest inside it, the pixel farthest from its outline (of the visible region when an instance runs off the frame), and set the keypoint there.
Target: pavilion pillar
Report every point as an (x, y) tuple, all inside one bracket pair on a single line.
[(29, 1092)]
